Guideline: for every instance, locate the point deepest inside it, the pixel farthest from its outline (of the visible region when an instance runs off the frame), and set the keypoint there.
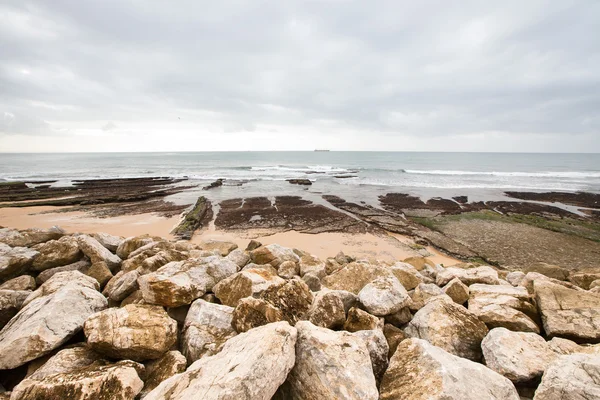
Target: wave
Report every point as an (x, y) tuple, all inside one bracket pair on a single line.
[(542, 174)]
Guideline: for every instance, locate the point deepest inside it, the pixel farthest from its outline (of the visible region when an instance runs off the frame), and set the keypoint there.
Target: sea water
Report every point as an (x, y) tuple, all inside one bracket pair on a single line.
[(356, 176)]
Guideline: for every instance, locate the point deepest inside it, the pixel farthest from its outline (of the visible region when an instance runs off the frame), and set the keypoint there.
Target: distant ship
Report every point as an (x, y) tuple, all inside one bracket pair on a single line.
[(321, 150)]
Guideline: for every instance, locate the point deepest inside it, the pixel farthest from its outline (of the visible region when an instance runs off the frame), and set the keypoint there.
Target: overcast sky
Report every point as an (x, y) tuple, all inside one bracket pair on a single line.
[(140, 75)]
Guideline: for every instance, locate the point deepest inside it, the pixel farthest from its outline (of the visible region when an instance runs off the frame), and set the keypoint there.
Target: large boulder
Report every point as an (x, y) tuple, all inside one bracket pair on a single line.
[(519, 356), (293, 298), (130, 244), (408, 275), (53, 314), (249, 282), (206, 328), (573, 377), (354, 276), (378, 348), (111, 242), (29, 237), (242, 370), (23, 282), (181, 282), (359, 320), (100, 380), (81, 266), (420, 371), (331, 365), (221, 247), (98, 253), (56, 253), (172, 363), (273, 254), (568, 313), (487, 275), (504, 306), (15, 261), (327, 309), (450, 326), (137, 332), (384, 296), (121, 285), (458, 291), (423, 293), (251, 313)]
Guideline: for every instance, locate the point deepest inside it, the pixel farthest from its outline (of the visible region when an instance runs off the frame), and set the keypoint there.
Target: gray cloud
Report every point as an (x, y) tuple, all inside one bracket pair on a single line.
[(381, 69)]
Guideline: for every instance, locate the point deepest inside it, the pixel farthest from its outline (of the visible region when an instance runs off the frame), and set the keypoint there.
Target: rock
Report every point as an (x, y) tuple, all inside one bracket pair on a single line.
[(515, 277), (82, 265), (136, 332), (354, 276), (331, 365), (327, 310), (288, 269), (121, 285), (310, 264), (250, 282), (111, 242), (56, 253), (423, 293), (133, 243), (568, 313), (408, 275), (394, 336), (11, 302), (532, 277), (293, 298), (224, 248), (565, 347), (504, 306), (156, 261), (29, 237), (273, 254), (400, 318), (519, 356), (241, 371), (384, 296), (23, 282), (359, 320), (54, 313), (134, 298), (15, 261), (312, 281), (206, 328), (173, 362), (574, 377), (551, 271), (253, 245), (420, 263), (378, 349), (452, 327), (583, 279), (182, 282), (251, 313), (239, 257), (486, 275), (99, 271), (98, 253), (119, 381), (419, 370), (458, 291), (300, 181), (65, 361)]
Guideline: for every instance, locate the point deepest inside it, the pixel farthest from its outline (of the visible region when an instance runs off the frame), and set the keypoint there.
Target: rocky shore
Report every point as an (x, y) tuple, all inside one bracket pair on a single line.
[(105, 317)]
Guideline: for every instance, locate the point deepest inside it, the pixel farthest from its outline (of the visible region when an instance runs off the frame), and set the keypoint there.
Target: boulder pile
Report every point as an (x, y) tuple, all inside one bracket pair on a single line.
[(104, 317)]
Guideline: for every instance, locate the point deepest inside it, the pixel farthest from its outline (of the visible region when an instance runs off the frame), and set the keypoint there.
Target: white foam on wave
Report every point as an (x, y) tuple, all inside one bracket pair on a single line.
[(541, 174)]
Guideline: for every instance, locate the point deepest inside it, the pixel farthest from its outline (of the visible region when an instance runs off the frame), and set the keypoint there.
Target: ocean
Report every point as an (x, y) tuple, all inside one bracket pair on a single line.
[(356, 176)]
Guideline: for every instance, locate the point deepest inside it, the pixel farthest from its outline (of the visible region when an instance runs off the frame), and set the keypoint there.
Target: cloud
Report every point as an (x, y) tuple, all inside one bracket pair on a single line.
[(387, 72)]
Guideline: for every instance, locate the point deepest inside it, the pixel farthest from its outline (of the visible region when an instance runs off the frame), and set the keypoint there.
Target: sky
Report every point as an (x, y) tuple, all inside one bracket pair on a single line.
[(191, 75)]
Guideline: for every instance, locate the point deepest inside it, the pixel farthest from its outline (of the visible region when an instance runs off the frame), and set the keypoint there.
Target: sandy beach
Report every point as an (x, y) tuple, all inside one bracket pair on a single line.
[(389, 248)]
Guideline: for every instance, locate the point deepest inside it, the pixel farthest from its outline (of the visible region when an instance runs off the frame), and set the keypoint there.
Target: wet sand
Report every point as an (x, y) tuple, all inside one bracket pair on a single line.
[(363, 245)]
